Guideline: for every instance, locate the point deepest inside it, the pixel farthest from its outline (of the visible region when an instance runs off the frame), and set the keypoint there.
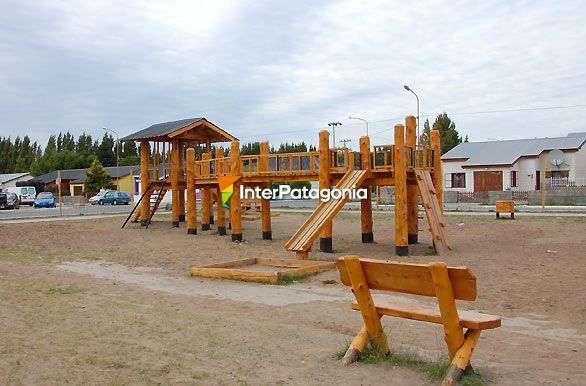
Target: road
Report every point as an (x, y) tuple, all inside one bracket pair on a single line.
[(76, 210)]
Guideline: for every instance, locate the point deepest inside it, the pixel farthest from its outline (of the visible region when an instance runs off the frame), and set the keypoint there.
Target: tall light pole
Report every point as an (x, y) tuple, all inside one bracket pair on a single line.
[(363, 120), (333, 126), (344, 142), (117, 157), (416, 97)]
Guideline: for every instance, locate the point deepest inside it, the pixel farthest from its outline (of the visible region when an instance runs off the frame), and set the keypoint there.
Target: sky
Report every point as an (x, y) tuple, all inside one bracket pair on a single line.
[(281, 70)]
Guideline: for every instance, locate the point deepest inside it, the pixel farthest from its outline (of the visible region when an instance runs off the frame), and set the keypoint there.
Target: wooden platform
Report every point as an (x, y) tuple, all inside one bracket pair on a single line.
[(235, 269)]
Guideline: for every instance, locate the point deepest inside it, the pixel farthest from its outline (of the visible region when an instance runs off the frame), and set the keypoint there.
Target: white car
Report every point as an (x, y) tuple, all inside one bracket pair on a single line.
[(95, 199), (26, 194)]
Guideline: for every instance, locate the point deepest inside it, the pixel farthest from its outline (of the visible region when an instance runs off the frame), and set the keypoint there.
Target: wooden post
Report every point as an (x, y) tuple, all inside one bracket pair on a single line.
[(235, 204), (325, 240), (175, 183), (461, 360), (205, 194), (181, 177), (191, 199), (366, 204), (219, 206), (400, 161), (265, 204), (59, 192), (454, 334), (371, 318), (438, 175), (412, 195), (145, 204)]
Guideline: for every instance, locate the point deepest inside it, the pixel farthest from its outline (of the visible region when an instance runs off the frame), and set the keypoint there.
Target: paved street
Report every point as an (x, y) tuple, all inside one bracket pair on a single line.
[(76, 210)]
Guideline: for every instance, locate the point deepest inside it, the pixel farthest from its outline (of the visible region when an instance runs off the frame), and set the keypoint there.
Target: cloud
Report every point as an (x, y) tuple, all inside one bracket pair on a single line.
[(282, 70)]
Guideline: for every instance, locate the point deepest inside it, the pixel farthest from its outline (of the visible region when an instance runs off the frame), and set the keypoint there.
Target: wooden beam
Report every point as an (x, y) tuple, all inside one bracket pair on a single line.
[(221, 212), (205, 195), (399, 156), (412, 191), (366, 204), (371, 318), (191, 197), (453, 332), (265, 204), (145, 205), (235, 204), (181, 175), (175, 184), (461, 360), (325, 240), (437, 175)]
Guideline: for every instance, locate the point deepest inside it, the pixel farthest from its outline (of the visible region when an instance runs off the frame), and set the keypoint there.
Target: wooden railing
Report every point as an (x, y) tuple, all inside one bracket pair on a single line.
[(382, 157), (212, 168), (303, 163)]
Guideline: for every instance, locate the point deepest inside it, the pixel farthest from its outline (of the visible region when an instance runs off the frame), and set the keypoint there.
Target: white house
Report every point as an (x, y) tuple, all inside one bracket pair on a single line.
[(10, 180), (515, 164)]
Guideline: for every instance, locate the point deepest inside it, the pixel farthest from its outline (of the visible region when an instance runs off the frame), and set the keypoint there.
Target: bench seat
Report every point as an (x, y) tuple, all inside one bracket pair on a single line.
[(468, 319)]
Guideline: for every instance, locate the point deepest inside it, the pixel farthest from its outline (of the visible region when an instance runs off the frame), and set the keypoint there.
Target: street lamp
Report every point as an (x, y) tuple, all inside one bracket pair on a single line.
[(416, 97), (363, 120), (117, 156), (333, 126)]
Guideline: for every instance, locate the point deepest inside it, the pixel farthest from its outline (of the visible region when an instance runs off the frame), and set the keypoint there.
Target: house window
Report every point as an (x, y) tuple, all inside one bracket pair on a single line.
[(513, 179), (447, 180), (458, 180)]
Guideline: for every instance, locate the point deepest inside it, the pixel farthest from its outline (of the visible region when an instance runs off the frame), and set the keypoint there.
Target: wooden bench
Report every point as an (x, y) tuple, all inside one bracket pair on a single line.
[(435, 279), (505, 207)]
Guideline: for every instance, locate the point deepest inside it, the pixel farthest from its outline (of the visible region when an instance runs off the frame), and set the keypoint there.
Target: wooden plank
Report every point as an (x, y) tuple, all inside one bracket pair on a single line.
[(399, 161), (453, 333), (232, 263), (361, 291), (468, 319), (191, 197), (235, 274), (145, 154), (433, 212), (324, 181), (366, 204), (412, 190), (410, 278)]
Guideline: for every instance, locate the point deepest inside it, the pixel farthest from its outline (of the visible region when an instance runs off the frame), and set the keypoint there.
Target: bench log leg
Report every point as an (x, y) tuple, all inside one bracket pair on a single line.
[(356, 347), (462, 359), (374, 328)]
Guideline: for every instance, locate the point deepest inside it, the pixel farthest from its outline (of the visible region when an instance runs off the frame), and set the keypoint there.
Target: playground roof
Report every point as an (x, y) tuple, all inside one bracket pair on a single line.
[(507, 152), (191, 129)]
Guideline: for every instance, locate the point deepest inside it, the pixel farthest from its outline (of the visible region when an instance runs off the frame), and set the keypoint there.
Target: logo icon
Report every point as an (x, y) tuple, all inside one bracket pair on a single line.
[(227, 188)]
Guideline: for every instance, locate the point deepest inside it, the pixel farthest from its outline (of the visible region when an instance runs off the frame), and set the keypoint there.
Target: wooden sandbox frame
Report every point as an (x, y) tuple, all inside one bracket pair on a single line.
[(292, 267)]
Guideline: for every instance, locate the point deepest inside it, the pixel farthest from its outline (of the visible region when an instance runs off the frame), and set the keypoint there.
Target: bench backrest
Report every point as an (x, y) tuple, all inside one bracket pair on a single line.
[(410, 278)]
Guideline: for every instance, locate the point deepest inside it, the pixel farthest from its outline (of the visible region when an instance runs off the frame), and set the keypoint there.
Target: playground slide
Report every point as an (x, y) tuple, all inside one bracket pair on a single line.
[(308, 232)]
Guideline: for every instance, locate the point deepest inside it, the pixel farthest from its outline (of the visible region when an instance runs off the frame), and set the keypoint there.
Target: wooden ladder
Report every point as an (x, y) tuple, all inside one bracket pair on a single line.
[(303, 239), (435, 216), (155, 206)]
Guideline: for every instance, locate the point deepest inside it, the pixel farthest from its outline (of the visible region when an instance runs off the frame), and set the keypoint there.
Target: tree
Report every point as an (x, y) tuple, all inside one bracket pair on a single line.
[(129, 149), (97, 178), (449, 136), (105, 151)]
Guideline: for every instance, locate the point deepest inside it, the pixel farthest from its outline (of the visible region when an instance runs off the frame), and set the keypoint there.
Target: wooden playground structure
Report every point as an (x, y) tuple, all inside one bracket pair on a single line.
[(184, 160)]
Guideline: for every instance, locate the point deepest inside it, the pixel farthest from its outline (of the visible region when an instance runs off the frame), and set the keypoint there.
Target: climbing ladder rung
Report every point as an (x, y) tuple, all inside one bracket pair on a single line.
[(433, 212)]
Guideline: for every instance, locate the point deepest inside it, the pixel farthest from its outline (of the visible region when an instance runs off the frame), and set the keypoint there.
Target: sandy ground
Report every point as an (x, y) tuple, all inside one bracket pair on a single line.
[(84, 302)]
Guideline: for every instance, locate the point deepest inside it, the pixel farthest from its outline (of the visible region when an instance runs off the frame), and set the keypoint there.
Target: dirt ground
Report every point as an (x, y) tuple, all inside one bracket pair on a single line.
[(84, 302)]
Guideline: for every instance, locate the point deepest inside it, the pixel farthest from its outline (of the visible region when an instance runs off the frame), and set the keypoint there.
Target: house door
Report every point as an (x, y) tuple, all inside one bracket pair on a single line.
[(487, 181), (537, 180)]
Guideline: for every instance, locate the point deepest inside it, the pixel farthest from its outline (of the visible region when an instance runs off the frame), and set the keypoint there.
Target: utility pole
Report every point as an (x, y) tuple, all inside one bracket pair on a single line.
[(333, 126), (117, 158), (344, 142)]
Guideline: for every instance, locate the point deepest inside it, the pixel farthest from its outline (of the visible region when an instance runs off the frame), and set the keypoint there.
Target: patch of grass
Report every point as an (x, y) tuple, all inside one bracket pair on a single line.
[(288, 279), (200, 375), (64, 290), (430, 252), (434, 371)]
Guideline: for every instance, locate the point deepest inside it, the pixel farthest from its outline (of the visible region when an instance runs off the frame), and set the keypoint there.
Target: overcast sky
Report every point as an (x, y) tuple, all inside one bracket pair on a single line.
[(280, 70)]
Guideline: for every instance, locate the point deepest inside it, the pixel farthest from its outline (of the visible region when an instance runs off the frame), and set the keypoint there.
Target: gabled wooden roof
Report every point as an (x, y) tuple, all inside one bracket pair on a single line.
[(192, 129)]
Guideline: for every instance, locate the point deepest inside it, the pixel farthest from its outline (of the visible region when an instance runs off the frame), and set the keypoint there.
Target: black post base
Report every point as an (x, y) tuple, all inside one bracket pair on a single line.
[(181, 218), (236, 236), (192, 231), (205, 227), (325, 244), (211, 219), (175, 224), (268, 235), (143, 223), (222, 231), (401, 251), (367, 237), (413, 239)]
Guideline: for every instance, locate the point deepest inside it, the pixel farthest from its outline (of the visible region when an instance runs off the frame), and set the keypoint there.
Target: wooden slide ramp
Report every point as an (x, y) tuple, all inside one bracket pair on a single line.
[(435, 216), (303, 239)]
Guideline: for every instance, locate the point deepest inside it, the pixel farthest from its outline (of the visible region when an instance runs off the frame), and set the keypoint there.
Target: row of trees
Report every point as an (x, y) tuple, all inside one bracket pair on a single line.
[(65, 152), (62, 152)]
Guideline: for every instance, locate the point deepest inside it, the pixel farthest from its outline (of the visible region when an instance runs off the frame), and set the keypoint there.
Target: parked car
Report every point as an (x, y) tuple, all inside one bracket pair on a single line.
[(95, 199), (9, 200), (26, 194), (114, 197), (45, 200)]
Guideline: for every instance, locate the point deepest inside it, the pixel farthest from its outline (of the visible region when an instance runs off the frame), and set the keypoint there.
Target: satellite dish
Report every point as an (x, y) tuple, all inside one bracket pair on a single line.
[(556, 157)]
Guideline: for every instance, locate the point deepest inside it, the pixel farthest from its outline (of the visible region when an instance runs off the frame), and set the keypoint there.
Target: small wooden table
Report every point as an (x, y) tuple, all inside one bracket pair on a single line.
[(507, 206)]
